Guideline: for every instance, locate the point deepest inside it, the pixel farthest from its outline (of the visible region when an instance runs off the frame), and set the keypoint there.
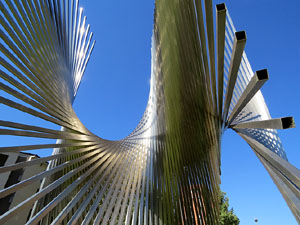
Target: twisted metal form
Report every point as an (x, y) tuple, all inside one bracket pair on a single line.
[(167, 171)]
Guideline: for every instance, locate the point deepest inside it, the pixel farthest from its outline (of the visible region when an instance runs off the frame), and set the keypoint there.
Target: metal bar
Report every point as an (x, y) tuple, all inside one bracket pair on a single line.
[(211, 48), (291, 172), (43, 192), (41, 129), (236, 57), (38, 161), (61, 196), (44, 146), (221, 24), (256, 82), (65, 136), (200, 20), (289, 187), (290, 194), (280, 123)]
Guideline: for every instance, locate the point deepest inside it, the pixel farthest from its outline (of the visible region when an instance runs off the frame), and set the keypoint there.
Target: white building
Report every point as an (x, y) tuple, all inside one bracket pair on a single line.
[(10, 178)]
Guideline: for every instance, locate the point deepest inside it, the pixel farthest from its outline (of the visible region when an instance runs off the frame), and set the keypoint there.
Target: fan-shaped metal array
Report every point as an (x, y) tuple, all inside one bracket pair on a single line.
[(167, 171)]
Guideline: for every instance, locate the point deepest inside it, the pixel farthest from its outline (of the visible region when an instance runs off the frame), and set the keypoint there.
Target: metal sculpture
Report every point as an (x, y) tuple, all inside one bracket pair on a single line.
[(167, 171)]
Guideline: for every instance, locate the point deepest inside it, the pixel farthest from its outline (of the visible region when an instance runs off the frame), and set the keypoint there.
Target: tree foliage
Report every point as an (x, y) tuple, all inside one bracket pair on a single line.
[(227, 216)]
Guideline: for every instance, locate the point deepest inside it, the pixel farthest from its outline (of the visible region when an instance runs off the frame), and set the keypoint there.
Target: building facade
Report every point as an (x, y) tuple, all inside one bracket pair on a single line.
[(11, 178)]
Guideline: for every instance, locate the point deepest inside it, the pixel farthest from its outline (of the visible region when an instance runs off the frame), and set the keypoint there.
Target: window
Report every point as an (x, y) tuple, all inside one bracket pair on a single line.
[(3, 159)]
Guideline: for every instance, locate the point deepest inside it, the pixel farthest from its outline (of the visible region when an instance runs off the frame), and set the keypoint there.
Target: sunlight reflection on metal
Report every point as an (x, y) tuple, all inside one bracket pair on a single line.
[(167, 170)]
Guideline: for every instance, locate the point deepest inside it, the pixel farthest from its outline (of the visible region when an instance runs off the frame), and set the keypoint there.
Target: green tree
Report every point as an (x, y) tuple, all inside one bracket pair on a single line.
[(227, 216)]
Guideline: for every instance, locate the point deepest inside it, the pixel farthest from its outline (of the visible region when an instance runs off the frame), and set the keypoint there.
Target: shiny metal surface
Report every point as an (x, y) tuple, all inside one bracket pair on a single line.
[(167, 170)]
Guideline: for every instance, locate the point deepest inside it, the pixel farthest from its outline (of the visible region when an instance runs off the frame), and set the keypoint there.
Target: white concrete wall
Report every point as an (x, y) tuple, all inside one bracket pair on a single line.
[(26, 192)]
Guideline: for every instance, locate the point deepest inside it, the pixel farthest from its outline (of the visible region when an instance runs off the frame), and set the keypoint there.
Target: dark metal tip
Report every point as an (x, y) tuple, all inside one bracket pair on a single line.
[(288, 122), (262, 74), (240, 35), (221, 7)]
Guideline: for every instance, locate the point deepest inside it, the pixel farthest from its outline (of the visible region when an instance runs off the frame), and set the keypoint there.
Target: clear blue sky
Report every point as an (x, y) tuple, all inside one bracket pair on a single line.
[(115, 88), (114, 91)]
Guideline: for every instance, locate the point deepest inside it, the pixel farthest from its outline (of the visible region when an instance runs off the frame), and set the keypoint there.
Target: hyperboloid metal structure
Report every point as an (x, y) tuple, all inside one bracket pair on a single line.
[(167, 170)]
